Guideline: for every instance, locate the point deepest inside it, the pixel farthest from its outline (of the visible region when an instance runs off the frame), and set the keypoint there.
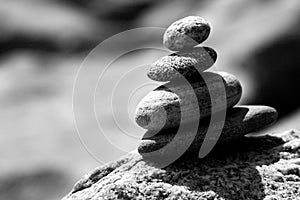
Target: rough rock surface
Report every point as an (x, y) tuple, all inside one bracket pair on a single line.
[(266, 167)]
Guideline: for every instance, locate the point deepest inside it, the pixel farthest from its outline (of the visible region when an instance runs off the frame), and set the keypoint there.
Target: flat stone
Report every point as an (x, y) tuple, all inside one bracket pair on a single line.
[(185, 63), (186, 33), (183, 102), (240, 120), (247, 168)]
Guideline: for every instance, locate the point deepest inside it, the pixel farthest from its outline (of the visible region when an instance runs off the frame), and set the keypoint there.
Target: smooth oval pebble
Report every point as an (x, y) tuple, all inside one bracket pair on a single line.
[(240, 120), (186, 33), (182, 64), (181, 101)]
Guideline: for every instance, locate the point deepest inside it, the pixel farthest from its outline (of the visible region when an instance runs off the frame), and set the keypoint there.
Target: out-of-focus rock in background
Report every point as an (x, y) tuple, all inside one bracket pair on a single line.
[(41, 184), (43, 42), (67, 26)]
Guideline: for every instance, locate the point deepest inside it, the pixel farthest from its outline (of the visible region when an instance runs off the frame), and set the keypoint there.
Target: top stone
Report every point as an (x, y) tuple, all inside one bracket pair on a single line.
[(186, 33)]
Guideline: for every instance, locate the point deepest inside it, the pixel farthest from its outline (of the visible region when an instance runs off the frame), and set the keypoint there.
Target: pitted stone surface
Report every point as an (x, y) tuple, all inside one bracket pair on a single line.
[(249, 168)]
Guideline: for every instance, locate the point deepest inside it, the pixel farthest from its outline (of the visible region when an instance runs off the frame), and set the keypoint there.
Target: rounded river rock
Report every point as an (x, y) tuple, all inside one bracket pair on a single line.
[(184, 102), (186, 33), (182, 64), (240, 120)]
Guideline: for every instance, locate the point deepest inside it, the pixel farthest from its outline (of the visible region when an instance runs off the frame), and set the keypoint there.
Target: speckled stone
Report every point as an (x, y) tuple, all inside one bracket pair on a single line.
[(240, 120), (181, 101), (182, 64), (186, 33), (248, 168)]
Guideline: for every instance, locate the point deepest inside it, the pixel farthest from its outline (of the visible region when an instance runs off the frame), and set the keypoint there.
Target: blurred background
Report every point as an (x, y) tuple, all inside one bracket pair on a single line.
[(43, 42)]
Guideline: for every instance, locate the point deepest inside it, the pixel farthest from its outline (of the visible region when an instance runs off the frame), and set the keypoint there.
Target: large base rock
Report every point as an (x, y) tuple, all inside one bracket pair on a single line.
[(266, 167)]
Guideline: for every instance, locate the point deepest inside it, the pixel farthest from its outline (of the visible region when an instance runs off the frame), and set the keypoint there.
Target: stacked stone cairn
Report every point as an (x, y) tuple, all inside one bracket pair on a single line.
[(186, 97)]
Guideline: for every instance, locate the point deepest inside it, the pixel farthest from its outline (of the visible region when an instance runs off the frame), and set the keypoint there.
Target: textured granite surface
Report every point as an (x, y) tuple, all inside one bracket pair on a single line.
[(266, 167)]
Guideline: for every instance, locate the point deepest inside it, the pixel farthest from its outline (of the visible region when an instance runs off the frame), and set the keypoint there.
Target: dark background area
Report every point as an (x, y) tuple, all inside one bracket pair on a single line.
[(43, 42)]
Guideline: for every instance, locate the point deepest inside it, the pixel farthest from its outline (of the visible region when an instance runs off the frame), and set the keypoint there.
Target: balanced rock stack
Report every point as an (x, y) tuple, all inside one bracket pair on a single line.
[(186, 97)]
